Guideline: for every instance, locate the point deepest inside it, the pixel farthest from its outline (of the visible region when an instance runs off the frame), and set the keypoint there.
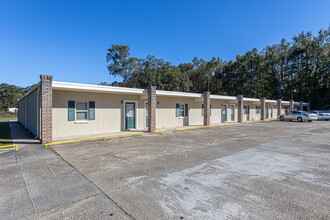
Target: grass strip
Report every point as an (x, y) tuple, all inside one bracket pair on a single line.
[(7, 119), (5, 137)]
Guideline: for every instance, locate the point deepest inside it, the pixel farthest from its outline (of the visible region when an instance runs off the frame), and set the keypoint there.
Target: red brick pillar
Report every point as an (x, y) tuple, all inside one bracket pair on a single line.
[(152, 106), (207, 104), (279, 107), (263, 108), (240, 105), (291, 105), (46, 104), (301, 106)]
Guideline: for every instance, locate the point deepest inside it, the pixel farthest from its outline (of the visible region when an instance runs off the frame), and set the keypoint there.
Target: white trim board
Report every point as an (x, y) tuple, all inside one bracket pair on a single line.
[(136, 114), (134, 91)]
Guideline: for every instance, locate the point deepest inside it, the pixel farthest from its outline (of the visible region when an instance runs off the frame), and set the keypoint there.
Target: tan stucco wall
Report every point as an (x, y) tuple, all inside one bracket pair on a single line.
[(27, 115), (216, 116), (254, 115), (32, 112), (21, 111), (109, 113), (275, 111), (274, 107), (166, 112)]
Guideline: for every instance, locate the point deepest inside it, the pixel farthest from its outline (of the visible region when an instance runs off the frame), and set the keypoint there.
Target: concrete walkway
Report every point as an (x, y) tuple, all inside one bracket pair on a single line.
[(37, 183), (20, 135)]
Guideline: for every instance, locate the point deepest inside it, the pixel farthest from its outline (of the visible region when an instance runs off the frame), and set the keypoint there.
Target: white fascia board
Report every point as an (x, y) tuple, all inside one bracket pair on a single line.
[(124, 90), (222, 97), (285, 102), (270, 101), (251, 100), (96, 88), (178, 94)]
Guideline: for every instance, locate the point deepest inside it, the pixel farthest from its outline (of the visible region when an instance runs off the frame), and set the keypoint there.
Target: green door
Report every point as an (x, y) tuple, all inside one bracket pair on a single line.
[(146, 114), (267, 112), (232, 111), (224, 113), (130, 115)]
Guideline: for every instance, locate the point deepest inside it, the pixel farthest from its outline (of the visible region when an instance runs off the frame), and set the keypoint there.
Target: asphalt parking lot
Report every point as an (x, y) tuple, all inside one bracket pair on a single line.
[(269, 170)]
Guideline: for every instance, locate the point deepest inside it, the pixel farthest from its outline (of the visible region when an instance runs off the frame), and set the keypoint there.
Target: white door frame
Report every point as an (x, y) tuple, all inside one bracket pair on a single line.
[(145, 114), (226, 110), (232, 112), (135, 115)]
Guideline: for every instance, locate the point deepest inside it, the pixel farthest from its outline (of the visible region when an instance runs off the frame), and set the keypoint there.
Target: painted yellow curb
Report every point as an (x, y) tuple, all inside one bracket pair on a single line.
[(224, 124), (179, 129), (157, 131), (91, 138), (10, 146), (206, 126)]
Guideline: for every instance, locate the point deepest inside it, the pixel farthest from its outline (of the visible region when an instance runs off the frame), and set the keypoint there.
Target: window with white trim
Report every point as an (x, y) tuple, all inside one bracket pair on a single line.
[(81, 111), (181, 110)]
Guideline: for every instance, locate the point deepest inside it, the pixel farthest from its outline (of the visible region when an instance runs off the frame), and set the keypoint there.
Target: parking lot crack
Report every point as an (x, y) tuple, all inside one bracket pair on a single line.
[(26, 184), (108, 197), (12, 209)]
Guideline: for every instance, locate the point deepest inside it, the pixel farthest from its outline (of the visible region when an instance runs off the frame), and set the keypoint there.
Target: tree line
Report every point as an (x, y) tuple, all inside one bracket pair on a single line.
[(299, 68), (10, 94)]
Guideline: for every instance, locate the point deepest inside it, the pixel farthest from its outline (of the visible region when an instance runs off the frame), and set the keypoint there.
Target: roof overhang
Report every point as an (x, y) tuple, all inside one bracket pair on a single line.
[(250, 100), (222, 97), (178, 94), (65, 86), (271, 101), (96, 88)]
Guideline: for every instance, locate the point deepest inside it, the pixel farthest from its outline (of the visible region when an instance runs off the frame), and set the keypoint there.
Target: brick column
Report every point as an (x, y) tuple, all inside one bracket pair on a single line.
[(291, 105), (308, 106), (240, 108), (46, 104), (152, 106), (279, 107), (263, 108), (301, 106), (207, 103)]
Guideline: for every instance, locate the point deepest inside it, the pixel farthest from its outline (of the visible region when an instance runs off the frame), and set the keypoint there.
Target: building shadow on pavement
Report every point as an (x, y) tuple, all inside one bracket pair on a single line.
[(21, 135)]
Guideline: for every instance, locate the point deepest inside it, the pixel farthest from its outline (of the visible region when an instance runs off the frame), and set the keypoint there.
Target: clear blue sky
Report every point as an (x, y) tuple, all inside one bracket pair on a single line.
[(69, 39)]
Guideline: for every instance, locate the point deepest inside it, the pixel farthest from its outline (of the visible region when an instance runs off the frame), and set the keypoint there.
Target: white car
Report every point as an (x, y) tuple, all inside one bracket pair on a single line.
[(321, 115), (299, 116)]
